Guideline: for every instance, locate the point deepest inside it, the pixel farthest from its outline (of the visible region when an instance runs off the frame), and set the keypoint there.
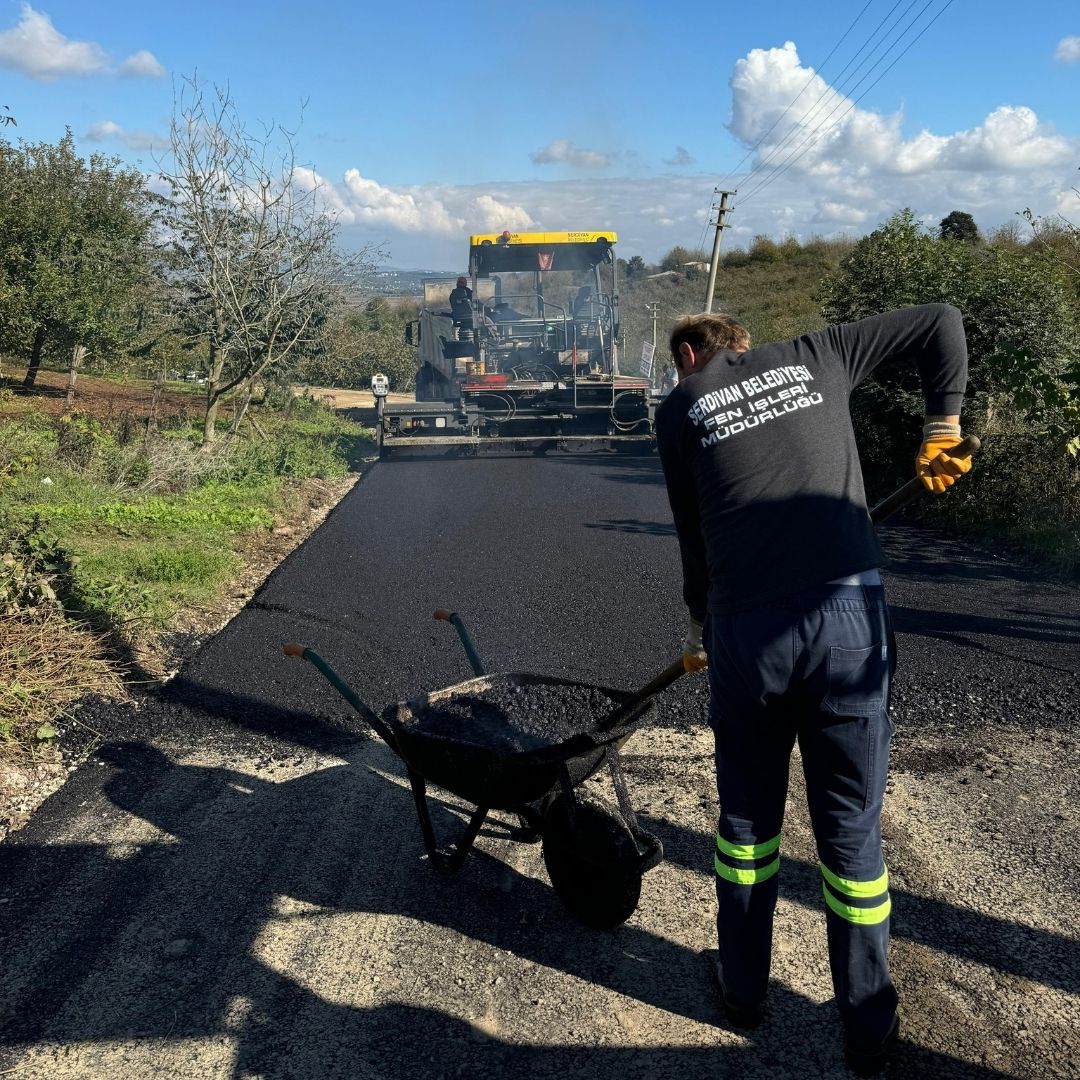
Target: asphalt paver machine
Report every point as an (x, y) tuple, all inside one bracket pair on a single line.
[(525, 355)]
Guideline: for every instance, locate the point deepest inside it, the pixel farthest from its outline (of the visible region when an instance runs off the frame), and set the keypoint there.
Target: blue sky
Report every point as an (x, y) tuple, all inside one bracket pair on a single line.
[(427, 121)]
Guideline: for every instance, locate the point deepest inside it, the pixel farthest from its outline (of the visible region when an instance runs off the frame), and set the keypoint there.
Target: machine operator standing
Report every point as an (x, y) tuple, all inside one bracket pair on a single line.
[(461, 309), (780, 575)]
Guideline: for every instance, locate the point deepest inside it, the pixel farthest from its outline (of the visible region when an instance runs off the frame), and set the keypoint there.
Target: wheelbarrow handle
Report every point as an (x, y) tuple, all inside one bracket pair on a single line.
[(343, 688), (452, 617), (914, 487)]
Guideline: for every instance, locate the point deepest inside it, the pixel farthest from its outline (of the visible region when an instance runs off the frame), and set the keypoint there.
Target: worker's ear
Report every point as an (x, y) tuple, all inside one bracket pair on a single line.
[(686, 356)]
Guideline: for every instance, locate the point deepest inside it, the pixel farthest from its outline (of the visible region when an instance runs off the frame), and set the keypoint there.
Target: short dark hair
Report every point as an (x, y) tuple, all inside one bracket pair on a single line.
[(708, 334)]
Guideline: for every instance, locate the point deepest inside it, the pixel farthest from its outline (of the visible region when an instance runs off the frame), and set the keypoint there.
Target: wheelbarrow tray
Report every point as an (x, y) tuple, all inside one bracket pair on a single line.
[(498, 778)]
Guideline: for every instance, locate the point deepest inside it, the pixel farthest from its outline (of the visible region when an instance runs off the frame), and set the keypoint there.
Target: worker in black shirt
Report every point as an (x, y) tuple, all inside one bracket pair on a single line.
[(780, 572), (461, 306)]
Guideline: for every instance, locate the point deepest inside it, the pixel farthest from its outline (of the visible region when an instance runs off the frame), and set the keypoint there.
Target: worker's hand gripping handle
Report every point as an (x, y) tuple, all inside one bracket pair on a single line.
[(914, 487)]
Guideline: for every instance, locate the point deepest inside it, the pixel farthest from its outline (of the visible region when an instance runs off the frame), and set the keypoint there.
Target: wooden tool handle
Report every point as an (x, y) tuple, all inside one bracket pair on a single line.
[(914, 487)]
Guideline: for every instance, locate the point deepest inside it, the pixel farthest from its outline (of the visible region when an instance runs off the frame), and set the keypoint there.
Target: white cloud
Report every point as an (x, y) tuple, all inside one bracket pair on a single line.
[(837, 214), (1067, 204), (103, 130), (434, 210), (111, 131), (862, 172), (491, 215), (680, 158), (36, 48), (1068, 50), (564, 152), (824, 133), (142, 63), (408, 210)]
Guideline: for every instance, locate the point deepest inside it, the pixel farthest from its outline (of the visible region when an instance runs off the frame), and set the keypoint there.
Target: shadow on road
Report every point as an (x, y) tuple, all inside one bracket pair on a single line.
[(161, 939), (633, 525), (1008, 947), (964, 629)]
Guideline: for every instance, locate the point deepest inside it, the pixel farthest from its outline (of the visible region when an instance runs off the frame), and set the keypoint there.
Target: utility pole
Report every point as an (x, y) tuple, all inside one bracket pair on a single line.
[(654, 312), (721, 213)]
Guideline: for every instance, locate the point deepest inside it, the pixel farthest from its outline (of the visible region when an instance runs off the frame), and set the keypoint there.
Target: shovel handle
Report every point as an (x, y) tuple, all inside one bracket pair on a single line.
[(914, 487), (650, 689)]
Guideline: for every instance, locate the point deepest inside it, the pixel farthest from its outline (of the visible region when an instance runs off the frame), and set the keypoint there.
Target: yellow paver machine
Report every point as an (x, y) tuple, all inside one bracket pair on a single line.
[(523, 352)]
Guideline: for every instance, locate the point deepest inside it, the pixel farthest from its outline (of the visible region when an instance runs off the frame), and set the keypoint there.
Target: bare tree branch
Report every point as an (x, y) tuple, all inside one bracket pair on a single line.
[(257, 270)]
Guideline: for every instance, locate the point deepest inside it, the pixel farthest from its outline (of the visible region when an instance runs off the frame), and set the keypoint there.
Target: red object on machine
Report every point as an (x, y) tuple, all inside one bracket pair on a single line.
[(486, 380)]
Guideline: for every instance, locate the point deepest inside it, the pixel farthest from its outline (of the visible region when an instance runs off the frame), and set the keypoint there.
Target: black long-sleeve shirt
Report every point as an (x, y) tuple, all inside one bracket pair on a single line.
[(760, 459)]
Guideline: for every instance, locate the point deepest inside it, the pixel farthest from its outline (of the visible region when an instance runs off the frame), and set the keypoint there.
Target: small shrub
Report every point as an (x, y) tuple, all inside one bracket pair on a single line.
[(80, 438)]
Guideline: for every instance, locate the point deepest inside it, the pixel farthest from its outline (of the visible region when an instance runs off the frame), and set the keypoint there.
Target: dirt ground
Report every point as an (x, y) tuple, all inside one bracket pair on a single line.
[(98, 397)]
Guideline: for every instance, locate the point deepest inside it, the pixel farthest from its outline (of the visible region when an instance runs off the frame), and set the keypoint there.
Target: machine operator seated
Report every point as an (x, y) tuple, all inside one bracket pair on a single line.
[(586, 305)]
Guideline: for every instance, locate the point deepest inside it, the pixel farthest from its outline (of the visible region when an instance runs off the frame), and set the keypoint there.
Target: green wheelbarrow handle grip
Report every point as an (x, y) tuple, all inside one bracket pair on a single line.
[(343, 688), (454, 619)]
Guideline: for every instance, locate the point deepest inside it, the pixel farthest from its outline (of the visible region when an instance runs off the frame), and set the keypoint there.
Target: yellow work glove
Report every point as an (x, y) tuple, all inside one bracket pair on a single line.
[(934, 465), (693, 652)]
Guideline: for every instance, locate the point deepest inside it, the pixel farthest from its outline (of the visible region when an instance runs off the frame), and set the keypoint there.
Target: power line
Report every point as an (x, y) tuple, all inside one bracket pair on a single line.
[(780, 171), (820, 68), (848, 89), (838, 87)]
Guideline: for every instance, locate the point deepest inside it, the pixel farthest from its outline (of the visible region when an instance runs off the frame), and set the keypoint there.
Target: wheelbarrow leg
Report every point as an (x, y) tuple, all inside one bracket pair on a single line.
[(438, 858), (468, 837), (419, 791)]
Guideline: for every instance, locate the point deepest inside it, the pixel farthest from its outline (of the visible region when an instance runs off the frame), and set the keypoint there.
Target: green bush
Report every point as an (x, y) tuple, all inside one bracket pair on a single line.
[(80, 439), (25, 444), (1023, 329)]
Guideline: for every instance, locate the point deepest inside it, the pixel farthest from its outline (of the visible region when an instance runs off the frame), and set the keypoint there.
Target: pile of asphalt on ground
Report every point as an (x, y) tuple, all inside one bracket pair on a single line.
[(515, 717)]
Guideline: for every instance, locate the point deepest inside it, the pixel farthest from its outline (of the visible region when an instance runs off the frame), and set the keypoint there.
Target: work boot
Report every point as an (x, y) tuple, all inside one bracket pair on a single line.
[(738, 1013), (869, 1063)]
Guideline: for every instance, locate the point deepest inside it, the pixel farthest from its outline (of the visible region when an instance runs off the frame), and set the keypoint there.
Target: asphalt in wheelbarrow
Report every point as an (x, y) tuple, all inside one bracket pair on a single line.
[(512, 717)]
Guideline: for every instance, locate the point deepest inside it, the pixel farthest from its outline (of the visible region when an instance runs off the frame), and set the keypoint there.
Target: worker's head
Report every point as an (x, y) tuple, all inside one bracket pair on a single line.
[(696, 339), (462, 281)]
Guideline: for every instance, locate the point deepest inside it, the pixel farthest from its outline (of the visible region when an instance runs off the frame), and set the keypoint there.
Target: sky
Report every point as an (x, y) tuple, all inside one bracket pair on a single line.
[(425, 122)]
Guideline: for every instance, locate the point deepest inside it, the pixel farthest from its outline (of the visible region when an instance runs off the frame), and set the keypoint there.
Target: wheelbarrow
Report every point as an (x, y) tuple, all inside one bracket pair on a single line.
[(595, 853)]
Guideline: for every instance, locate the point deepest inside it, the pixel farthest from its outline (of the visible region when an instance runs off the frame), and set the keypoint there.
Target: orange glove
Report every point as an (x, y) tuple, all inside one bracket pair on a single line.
[(694, 657), (934, 465)]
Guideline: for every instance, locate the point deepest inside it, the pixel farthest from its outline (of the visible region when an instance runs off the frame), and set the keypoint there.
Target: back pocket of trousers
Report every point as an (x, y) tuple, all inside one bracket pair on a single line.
[(857, 680)]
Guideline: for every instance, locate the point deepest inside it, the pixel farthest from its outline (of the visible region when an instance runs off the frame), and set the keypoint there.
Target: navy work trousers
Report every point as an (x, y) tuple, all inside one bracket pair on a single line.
[(814, 667)]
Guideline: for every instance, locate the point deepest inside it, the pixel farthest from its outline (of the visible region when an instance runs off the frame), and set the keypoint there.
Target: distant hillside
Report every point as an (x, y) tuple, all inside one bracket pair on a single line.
[(770, 289)]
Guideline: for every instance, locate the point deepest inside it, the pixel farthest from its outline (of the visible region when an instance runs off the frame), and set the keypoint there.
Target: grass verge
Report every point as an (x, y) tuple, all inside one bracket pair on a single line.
[(108, 530)]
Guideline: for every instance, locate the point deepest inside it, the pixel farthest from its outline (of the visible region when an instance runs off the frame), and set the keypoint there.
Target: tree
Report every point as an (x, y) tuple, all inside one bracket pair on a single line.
[(1021, 323), (763, 249), (257, 273), (959, 226), (635, 267), (362, 343), (678, 258), (72, 244)]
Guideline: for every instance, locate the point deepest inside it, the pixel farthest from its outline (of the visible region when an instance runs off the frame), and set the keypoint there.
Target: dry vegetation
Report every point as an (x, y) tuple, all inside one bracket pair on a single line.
[(115, 535)]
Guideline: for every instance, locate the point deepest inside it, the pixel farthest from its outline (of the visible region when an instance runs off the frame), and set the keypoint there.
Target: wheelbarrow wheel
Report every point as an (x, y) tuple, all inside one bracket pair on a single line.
[(592, 861)]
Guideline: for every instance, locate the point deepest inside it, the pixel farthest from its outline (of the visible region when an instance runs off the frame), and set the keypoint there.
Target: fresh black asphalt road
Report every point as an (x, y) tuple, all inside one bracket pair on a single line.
[(564, 565)]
